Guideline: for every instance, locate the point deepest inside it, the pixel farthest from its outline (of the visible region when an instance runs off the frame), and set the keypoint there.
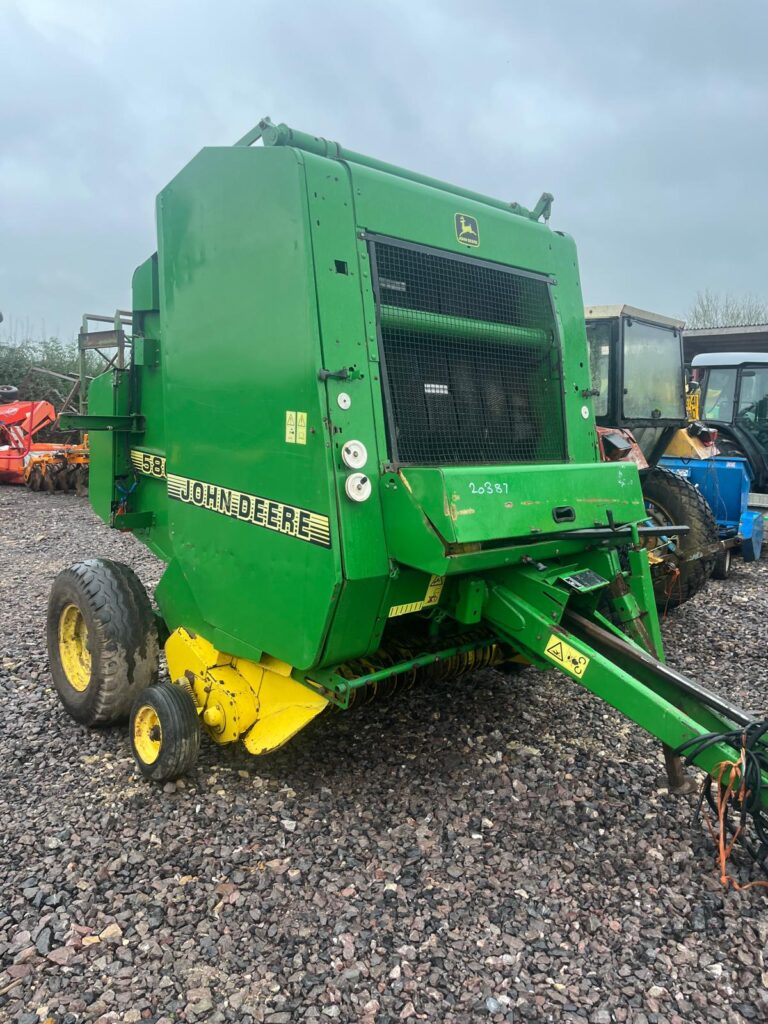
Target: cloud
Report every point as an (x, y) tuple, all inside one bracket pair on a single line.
[(646, 121)]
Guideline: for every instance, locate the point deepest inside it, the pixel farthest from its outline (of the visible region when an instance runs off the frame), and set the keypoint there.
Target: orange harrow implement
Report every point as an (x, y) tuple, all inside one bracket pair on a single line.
[(41, 466)]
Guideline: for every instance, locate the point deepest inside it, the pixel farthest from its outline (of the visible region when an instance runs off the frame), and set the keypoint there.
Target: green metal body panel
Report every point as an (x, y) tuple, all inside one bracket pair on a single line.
[(262, 279), (466, 505)]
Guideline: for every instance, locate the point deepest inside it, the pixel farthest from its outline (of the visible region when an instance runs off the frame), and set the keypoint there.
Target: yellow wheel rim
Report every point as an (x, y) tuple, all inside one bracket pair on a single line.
[(73, 648), (147, 734)]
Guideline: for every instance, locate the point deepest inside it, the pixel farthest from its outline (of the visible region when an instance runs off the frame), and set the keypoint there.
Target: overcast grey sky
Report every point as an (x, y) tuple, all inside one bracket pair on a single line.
[(647, 120)]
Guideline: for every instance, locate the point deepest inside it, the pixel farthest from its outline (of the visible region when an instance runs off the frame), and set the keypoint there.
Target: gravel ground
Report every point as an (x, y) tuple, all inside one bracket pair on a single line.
[(496, 850)]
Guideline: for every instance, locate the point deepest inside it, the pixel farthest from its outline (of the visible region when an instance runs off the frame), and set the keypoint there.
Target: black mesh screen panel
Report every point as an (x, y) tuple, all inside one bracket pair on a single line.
[(471, 358)]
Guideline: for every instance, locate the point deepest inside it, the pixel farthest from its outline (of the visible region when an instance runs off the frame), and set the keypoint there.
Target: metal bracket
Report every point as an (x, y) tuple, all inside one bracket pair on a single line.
[(132, 520), (133, 424), (345, 373), (342, 374), (255, 133)]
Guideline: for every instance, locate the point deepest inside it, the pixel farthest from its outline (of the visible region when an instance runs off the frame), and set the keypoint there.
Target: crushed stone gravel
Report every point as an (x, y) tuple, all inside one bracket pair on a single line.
[(498, 849)]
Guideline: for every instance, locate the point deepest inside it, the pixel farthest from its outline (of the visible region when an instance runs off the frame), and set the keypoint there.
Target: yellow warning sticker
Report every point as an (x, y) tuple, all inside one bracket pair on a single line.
[(566, 657), (301, 428), (432, 596), (434, 590), (295, 427)]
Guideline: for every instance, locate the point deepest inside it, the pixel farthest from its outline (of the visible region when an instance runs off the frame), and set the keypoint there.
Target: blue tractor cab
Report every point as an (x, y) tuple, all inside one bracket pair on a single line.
[(734, 398)]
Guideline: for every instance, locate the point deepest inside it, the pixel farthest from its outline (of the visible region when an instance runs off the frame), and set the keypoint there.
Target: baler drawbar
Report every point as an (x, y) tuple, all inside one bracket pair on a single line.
[(411, 485)]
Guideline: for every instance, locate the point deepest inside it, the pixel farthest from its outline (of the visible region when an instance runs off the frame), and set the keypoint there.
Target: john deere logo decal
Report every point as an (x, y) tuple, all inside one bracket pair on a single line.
[(467, 230)]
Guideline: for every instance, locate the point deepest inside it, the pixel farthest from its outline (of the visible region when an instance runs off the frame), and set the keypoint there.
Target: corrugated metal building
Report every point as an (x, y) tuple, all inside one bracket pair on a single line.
[(725, 339)]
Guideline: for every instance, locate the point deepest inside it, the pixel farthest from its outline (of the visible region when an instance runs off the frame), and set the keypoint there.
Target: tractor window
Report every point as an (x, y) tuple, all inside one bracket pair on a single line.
[(599, 338), (753, 397), (653, 372), (718, 393)]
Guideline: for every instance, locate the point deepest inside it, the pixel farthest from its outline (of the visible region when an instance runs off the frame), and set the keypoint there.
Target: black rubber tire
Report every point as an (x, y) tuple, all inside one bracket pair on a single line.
[(682, 505), (122, 639), (8, 393), (179, 728), (723, 563)]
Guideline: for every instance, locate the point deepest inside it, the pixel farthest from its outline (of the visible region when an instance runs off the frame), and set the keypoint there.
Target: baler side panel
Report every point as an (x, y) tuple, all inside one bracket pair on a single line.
[(342, 282), (239, 320)]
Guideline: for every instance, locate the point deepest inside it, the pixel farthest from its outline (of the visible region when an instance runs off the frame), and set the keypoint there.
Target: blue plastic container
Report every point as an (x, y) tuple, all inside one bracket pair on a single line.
[(725, 482)]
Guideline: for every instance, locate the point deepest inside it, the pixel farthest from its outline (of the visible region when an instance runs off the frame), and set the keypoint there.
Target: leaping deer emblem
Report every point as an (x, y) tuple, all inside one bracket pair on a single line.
[(466, 229)]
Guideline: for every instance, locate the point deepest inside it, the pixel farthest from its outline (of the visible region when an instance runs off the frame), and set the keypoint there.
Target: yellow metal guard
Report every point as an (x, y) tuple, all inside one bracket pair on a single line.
[(256, 702)]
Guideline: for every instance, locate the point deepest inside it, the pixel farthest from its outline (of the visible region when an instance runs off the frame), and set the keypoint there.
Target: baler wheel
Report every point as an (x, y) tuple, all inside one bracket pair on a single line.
[(102, 640), (165, 732)]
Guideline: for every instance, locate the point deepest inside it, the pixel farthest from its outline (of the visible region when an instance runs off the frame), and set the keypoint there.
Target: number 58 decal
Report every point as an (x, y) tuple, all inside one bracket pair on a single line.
[(148, 464)]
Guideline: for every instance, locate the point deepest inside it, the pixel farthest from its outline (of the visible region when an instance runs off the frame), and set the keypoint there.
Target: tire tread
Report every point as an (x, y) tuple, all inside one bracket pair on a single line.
[(126, 634)]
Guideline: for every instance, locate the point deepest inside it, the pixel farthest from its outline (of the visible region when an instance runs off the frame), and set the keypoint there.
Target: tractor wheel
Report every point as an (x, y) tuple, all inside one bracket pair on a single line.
[(723, 562), (102, 640), (671, 499), (8, 393), (35, 479), (165, 732)]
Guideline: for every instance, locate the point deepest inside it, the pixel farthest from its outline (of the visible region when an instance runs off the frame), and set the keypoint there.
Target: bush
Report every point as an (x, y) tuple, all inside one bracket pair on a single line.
[(17, 360)]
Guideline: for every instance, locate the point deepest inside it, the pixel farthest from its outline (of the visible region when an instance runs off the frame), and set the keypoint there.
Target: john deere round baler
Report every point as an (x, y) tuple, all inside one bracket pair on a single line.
[(358, 429)]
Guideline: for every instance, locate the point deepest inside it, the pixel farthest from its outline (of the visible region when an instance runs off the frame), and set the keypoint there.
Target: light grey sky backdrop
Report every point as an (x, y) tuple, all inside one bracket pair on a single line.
[(648, 121)]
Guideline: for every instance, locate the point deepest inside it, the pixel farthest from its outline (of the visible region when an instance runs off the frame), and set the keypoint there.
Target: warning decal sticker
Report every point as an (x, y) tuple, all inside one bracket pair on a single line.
[(432, 596), (566, 657)]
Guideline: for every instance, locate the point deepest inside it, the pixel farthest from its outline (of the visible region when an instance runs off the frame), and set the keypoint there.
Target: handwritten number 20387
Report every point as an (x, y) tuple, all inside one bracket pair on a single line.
[(487, 487)]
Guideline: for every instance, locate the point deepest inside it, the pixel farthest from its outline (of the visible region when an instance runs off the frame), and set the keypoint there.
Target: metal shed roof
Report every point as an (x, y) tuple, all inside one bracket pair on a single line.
[(753, 338)]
